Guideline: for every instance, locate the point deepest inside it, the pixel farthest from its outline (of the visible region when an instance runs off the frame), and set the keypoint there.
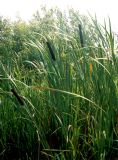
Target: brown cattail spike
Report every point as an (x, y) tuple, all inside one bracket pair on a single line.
[(19, 98), (51, 51), (81, 35)]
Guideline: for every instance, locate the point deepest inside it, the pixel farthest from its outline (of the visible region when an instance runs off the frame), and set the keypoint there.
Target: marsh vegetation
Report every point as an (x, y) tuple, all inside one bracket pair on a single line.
[(58, 88)]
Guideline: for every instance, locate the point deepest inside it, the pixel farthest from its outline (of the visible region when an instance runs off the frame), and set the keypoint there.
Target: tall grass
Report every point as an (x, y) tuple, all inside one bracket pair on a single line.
[(68, 86)]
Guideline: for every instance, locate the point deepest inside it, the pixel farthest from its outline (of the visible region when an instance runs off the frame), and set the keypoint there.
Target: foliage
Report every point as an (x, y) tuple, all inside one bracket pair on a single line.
[(58, 88)]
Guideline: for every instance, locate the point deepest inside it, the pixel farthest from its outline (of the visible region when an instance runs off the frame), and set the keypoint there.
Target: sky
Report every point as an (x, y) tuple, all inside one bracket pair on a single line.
[(25, 8)]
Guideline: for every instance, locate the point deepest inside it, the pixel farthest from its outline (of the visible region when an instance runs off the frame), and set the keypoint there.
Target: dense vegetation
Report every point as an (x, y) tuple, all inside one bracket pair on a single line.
[(58, 88)]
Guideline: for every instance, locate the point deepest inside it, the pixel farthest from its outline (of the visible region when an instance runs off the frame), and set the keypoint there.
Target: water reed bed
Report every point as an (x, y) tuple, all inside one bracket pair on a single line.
[(69, 89)]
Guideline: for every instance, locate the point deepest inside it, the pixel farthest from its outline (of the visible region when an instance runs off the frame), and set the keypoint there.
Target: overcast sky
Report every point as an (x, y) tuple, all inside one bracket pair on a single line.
[(25, 8)]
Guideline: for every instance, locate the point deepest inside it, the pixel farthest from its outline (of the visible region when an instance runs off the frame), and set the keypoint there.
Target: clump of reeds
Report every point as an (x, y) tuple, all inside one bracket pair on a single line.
[(72, 105)]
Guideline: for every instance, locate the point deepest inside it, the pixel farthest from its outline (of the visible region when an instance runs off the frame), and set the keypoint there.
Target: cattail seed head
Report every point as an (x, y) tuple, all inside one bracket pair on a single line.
[(51, 51), (81, 35), (19, 98)]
